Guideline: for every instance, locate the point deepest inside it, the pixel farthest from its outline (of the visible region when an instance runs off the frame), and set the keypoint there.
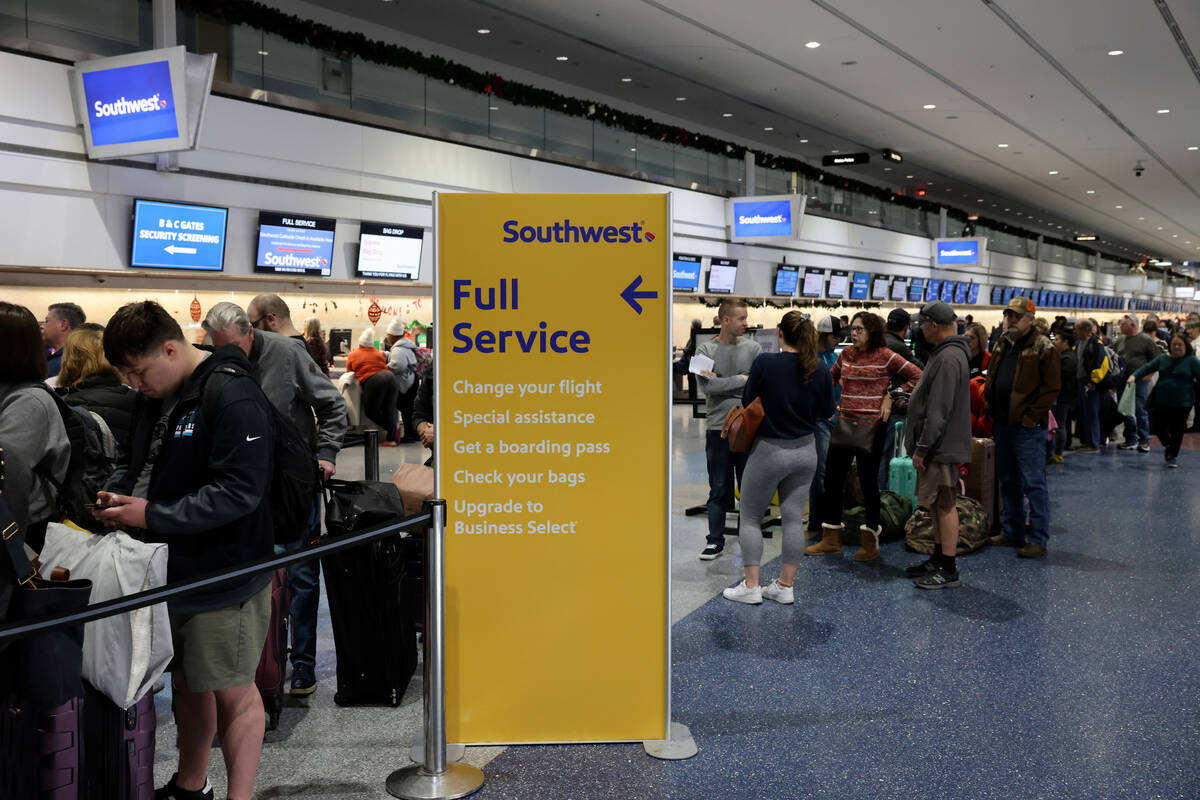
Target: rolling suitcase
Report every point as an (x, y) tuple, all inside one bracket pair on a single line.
[(370, 601), (59, 746), (272, 666), (118, 762), (902, 475), (980, 481)]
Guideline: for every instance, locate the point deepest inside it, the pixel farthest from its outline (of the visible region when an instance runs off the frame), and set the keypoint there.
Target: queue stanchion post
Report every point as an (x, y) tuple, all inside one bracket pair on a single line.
[(435, 779), (371, 454)]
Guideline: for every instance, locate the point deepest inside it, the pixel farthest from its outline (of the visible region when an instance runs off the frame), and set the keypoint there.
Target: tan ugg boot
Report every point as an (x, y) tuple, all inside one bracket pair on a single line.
[(869, 551), (831, 541)]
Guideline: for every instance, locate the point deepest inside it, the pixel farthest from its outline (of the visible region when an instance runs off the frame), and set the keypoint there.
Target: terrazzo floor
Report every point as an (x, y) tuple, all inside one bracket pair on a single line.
[(1069, 677)]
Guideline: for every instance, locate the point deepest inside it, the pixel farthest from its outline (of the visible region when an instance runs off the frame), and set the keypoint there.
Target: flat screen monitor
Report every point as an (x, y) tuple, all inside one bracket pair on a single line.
[(339, 341), (960, 292), (916, 290), (1009, 293), (879, 287), (178, 236), (389, 251), (787, 278), (685, 273), (860, 284), (290, 243), (933, 290), (814, 283), (839, 284), (997, 295), (722, 273), (899, 289), (947, 293), (1036, 297), (973, 294)]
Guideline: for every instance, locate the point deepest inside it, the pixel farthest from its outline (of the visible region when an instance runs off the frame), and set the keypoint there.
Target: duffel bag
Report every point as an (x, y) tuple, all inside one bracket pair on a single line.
[(972, 527)]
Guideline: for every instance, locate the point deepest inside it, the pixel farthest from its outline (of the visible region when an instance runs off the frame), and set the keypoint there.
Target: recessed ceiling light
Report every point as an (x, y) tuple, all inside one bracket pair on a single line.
[(493, 108), (1164, 111), (263, 53), (560, 58), (978, 199), (626, 80), (835, 151), (1118, 206), (1053, 172), (1194, 147), (1140, 219), (633, 149), (804, 141), (1174, 235), (909, 177), (1008, 209), (1002, 145), (727, 115), (812, 45), (680, 99), (1116, 52), (887, 169), (768, 128), (1091, 191), (1159, 227), (484, 31), (929, 106)]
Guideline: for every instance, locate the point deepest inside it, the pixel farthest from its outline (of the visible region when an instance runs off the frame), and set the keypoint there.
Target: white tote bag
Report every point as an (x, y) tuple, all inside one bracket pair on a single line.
[(123, 655)]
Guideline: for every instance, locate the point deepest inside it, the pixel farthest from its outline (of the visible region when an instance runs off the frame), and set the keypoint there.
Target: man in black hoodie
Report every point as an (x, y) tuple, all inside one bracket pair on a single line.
[(938, 435), (198, 480)]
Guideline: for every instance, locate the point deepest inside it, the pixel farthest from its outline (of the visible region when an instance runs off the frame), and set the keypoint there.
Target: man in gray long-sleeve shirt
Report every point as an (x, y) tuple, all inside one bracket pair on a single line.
[(722, 385), (1138, 350), (300, 391)]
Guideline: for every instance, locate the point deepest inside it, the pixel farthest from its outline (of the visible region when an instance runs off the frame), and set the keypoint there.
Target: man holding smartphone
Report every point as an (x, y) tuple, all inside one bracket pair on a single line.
[(198, 480)]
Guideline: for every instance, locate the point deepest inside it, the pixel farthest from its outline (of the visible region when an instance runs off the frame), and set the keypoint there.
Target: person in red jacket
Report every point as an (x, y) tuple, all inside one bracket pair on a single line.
[(379, 389), (864, 370), (981, 423)]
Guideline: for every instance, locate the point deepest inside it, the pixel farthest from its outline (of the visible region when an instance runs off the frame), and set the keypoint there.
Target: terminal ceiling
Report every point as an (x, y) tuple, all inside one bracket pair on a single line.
[(1035, 76)]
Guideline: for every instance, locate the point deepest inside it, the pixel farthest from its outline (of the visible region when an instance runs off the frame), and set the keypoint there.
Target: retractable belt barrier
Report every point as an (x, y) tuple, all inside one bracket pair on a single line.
[(132, 602)]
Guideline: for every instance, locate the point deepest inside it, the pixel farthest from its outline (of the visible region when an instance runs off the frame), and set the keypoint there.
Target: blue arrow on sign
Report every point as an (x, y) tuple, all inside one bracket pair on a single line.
[(631, 295)]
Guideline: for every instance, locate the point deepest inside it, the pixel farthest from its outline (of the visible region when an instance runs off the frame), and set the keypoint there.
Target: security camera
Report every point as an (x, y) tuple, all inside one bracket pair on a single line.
[(1138, 169)]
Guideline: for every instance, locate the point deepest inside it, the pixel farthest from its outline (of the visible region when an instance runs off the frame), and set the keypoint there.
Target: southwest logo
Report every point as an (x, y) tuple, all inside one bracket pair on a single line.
[(566, 233), (121, 107)]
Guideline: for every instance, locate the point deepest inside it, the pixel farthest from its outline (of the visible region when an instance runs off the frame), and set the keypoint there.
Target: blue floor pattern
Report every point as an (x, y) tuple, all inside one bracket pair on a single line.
[(1070, 677)]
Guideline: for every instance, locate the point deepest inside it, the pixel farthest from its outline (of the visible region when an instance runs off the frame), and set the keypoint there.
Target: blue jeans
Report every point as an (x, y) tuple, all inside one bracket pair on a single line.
[(304, 583), (1137, 428), (1089, 415), (722, 465), (821, 439), (1021, 464)]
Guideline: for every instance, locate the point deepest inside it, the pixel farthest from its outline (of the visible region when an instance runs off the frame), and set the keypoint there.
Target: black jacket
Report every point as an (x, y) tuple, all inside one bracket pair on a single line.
[(209, 487), (115, 402)]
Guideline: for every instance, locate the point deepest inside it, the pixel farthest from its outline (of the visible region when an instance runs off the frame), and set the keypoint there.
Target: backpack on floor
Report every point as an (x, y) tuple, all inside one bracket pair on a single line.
[(972, 527), (894, 511)]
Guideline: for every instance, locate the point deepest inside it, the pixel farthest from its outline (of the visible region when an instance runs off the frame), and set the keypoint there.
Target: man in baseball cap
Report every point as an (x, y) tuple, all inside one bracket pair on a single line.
[(1023, 382), (938, 434)]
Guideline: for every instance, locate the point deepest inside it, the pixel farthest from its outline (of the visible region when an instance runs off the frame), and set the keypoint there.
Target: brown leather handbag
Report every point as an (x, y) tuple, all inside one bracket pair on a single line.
[(741, 425)]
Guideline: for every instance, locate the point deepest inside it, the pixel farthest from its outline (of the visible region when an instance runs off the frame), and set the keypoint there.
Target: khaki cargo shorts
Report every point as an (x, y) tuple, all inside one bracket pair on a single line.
[(937, 484), (221, 649)]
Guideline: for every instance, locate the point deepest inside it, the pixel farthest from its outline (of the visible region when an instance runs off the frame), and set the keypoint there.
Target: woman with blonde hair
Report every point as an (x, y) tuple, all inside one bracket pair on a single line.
[(92, 383), (796, 393), (316, 344)]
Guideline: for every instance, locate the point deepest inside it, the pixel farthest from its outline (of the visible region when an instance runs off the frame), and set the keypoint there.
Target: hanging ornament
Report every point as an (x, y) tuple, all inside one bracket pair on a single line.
[(194, 308), (374, 312)]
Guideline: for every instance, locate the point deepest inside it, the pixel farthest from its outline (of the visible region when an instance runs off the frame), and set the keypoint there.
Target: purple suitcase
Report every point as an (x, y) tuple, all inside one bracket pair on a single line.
[(272, 666), (58, 752), (118, 760)]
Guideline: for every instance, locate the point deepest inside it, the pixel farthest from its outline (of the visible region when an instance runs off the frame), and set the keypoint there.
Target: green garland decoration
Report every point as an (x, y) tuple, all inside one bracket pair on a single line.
[(347, 43)]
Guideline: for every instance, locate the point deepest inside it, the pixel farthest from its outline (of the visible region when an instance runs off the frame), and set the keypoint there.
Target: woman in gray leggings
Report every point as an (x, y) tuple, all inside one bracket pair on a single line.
[(796, 391)]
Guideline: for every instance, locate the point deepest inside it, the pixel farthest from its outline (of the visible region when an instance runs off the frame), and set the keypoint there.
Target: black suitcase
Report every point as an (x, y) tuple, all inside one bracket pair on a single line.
[(118, 759), (370, 602)]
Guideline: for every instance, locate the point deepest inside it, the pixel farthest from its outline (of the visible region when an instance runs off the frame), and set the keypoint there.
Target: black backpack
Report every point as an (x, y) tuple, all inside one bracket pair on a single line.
[(93, 457), (295, 476)]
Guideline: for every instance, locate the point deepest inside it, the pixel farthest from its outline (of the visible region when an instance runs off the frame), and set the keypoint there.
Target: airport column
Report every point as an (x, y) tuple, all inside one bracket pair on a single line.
[(552, 359)]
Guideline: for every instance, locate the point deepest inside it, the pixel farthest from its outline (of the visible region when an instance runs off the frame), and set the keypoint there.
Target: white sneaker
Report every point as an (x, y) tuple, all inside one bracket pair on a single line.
[(744, 594), (779, 593)]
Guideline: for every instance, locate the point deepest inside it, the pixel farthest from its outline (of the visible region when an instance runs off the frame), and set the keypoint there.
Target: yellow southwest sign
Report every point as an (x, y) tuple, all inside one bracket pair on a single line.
[(552, 419)]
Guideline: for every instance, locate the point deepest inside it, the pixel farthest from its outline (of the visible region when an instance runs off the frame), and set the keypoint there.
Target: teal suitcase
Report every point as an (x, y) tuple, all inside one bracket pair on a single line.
[(902, 475)]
